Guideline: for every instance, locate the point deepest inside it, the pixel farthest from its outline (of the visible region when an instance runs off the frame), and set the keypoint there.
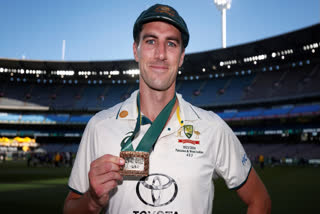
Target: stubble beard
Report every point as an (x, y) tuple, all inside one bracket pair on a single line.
[(158, 84)]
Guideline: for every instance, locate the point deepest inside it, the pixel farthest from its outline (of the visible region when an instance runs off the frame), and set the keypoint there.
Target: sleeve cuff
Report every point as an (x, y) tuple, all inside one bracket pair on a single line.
[(239, 186), (75, 191)]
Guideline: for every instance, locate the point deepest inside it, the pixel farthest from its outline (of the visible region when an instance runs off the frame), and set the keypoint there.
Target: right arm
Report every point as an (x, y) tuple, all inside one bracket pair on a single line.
[(103, 177)]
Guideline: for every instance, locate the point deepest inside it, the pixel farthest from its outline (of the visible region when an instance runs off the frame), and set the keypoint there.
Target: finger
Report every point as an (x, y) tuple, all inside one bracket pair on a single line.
[(108, 159), (97, 180), (111, 176), (114, 159), (104, 168)]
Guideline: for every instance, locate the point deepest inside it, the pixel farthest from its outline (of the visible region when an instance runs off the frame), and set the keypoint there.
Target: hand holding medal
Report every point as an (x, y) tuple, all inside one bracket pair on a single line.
[(137, 161)]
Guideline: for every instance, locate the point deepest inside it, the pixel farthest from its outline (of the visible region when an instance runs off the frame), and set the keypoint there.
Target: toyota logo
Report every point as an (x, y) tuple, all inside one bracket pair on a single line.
[(157, 190)]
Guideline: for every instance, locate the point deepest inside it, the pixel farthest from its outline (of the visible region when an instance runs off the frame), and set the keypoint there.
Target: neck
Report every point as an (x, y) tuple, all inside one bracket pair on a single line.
[(152, 102)]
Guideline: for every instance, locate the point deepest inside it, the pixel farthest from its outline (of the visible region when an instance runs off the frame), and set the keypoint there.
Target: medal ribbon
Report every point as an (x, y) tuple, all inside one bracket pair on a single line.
[(154, 131)]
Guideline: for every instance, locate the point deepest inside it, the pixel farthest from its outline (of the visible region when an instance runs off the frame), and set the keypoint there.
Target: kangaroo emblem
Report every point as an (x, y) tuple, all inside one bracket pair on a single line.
[(197, 133), (179, 131)]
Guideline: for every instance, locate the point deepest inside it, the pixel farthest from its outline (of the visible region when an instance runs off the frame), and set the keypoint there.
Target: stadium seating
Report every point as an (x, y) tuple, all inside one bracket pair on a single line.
[(80, 118), (277, 84), (227, 115), (186, 88), (57, 118), (32, 118), (279, 151), (305, 110), (275, 79), (277, 112), (7, 117)]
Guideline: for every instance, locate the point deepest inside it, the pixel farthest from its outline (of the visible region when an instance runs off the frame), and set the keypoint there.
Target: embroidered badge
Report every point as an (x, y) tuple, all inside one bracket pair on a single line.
[(188, 130), (123, 114), (197, 133), (188, 135), (165, 9)]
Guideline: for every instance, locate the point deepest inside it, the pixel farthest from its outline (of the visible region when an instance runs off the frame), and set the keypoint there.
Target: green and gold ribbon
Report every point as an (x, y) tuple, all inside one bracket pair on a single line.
[(154, 131)]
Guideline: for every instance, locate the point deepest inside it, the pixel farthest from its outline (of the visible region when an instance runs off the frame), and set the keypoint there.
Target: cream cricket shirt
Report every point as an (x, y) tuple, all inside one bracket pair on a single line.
[(193, 148)]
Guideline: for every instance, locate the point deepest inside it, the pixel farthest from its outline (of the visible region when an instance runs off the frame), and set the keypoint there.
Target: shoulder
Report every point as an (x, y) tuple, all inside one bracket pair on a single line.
[(107, 114), (195, 113), (206, 115), (206, 119), (111, 114)]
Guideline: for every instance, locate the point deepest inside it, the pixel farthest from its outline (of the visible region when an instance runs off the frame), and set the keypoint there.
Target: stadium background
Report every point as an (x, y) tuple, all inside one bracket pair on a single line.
[(268, 91)]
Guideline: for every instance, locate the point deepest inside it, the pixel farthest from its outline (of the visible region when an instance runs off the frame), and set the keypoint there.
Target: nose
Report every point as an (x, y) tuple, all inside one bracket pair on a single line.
[(161, 51)]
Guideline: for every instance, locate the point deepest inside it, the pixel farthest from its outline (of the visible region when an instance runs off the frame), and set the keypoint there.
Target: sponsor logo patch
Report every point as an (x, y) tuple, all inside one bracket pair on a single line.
[(123, 114), (244, 159), (157, 190), (188, 135)]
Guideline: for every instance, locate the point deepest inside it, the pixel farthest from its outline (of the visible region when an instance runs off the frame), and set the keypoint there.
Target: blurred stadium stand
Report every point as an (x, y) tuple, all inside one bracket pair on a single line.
[(268, 91)]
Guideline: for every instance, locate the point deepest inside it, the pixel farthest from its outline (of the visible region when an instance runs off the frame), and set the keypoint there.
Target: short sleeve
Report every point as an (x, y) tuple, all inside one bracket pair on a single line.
[(232, 162), (78, 180)]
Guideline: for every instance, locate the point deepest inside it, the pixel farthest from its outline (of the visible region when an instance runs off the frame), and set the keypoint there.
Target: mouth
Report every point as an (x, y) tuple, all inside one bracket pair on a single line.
[(159, 67)]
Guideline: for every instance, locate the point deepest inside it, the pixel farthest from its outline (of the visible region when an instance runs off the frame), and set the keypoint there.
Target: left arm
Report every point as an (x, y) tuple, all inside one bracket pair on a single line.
[(255, 195)]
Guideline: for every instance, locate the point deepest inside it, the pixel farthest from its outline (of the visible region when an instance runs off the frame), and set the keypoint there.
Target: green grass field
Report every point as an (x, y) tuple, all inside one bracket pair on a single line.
[(42, 189)]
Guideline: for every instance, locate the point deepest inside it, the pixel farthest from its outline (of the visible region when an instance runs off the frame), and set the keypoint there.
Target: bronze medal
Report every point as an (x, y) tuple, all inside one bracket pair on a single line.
[(136, 163)]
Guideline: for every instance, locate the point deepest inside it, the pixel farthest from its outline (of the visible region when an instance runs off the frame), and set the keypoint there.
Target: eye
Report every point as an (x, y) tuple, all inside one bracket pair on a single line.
[(150, 41), (172, 44)]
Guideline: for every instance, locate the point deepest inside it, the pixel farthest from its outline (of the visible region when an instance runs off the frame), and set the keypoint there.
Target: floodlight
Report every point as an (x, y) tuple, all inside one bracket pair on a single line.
[(223, 6), (63, 49)]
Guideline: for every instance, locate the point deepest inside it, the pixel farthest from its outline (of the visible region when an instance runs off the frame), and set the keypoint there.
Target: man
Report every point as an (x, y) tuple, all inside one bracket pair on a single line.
[(194, 146)]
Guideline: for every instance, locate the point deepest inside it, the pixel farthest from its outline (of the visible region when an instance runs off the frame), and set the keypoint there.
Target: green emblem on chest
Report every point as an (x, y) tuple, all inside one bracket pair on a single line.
[(188, 130)]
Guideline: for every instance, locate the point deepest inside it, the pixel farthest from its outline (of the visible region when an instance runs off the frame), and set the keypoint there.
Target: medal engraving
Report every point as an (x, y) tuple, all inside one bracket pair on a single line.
[(136, 163)]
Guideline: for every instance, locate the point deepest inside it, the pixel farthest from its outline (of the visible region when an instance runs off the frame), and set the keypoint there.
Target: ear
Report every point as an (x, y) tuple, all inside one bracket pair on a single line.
[(135, 51), (182, 57)]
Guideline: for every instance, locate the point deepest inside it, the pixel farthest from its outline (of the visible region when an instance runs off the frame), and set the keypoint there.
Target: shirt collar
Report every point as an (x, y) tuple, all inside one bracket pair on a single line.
[(187, 111), (128, 110)]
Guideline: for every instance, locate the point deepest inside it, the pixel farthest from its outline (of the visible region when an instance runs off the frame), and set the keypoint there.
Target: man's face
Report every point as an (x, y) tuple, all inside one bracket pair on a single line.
[(159, 53)]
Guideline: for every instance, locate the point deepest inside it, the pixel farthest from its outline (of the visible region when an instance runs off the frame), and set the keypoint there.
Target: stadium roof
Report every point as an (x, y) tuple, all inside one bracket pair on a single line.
[(195, 63)]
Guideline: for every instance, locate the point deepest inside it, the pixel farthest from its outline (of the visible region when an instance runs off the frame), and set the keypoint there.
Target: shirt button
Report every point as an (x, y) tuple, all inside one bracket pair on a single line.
[(169, 129)]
